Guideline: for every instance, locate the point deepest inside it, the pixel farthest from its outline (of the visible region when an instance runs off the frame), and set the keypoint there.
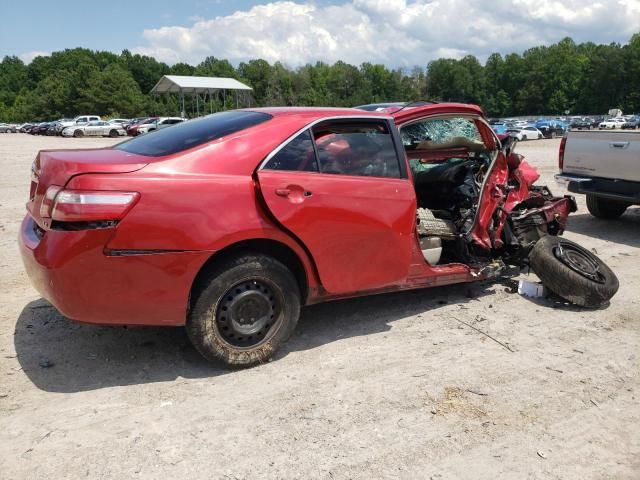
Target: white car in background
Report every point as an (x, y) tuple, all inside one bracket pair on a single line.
[(118, 121), (95, 129), (159, 124), (612, 123), (79, 120), (525, 133)]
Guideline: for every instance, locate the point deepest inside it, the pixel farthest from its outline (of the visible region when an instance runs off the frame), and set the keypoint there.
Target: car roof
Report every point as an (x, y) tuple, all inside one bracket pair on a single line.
[(315, 112), (399, 113)]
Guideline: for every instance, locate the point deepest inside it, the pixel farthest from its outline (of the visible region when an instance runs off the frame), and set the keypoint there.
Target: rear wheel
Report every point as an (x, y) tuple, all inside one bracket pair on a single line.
[(113, 133), (573, 272), (604, 208), (243, 310)]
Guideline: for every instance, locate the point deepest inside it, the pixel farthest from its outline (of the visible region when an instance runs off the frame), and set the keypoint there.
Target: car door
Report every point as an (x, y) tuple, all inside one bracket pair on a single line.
[(105, 128), (342, 189), (529, 133), (90, 129)]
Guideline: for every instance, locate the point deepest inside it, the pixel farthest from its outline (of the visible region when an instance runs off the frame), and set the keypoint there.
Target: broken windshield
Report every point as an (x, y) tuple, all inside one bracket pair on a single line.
[(436, 132)]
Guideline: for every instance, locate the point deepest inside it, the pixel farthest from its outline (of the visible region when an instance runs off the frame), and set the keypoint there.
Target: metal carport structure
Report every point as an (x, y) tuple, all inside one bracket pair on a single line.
[(197, 86)]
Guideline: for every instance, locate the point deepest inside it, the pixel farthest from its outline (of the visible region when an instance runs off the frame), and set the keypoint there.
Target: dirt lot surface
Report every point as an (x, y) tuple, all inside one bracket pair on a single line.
[(394, 386)]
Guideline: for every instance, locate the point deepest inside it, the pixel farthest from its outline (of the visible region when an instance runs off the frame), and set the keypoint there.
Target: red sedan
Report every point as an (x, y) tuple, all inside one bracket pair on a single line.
[(229, 223)]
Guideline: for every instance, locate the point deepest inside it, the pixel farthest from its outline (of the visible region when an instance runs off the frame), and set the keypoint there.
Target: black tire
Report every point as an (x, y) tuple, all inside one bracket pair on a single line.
[(573, 272), (247, 285), (604, 208), (113, 133), (78, 133)]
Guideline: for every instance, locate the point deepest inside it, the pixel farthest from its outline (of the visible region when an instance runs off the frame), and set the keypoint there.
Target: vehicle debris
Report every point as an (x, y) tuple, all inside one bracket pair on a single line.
[(531, 289)]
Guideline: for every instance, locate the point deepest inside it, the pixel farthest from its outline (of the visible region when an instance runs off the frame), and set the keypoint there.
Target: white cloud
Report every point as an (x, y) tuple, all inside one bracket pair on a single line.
[(393, 32), (29, 56)]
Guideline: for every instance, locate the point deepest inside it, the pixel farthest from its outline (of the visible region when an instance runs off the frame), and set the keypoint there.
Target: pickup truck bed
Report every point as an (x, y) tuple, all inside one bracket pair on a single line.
[(605, 166)]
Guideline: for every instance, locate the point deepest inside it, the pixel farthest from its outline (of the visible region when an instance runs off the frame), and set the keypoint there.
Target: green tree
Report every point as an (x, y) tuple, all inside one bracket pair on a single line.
[(111, 90)]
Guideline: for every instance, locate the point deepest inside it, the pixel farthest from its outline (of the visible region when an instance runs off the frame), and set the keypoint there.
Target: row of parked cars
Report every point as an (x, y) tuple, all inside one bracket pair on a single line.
[(529, 130), (93, 126), (551, 128), (629, 122)]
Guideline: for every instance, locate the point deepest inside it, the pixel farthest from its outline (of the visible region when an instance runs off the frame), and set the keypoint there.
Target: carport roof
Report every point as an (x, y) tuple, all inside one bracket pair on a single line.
[(187, 84)]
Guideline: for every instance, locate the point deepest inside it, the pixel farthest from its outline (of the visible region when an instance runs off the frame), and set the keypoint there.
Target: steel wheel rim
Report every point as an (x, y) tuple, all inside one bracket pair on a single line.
[(249, 313), (579, 261)]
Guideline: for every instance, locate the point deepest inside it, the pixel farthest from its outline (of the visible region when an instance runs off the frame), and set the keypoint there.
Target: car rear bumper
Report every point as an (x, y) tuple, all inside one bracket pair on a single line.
[(72, 271), (619, 190)]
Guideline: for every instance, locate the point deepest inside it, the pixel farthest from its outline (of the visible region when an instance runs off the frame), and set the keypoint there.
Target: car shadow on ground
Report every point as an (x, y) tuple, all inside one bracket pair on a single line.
[(59, 355), (624, 230)]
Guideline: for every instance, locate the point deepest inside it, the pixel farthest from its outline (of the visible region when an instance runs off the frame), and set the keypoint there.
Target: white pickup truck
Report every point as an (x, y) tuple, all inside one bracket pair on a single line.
[(605, 166)]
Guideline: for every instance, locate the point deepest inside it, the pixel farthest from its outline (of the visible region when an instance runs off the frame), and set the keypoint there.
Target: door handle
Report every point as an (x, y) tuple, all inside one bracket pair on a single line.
[(618, 144), (291, 189)]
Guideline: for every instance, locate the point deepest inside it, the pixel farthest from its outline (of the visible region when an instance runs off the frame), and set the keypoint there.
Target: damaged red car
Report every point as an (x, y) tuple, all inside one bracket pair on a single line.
[(228, 224)]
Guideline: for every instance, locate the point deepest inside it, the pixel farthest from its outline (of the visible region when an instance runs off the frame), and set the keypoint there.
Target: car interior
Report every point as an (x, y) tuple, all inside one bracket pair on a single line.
[(449, 162)]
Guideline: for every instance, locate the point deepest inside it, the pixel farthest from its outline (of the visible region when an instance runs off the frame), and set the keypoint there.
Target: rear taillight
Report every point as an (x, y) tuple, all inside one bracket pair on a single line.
[(86, 205), (46, 207), (563, 144)]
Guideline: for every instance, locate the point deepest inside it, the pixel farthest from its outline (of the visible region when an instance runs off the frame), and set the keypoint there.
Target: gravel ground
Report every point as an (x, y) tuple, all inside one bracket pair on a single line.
[(393, 386)]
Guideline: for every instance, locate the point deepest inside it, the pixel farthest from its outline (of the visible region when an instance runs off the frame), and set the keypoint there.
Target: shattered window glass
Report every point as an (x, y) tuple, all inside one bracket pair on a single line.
[(439, 131)]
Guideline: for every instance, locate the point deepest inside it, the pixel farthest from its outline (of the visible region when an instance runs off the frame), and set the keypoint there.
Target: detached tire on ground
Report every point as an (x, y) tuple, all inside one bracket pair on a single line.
[(573, 272), (243, 310), (604, 208)]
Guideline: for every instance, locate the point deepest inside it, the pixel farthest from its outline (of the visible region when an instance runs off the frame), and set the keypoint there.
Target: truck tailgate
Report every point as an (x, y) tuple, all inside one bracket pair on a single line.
[(614, 155)]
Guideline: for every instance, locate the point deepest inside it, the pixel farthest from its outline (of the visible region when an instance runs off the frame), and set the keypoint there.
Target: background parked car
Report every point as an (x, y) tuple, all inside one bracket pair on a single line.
[(134, 130), (79, 120), (119, 121), (39, 129), (52, 129), (631, 124), (611, 124), (580, 124), (94, 129), (159, 124), (551, 128), (61, 123), (499, 127), (5, 128), (525, 133)]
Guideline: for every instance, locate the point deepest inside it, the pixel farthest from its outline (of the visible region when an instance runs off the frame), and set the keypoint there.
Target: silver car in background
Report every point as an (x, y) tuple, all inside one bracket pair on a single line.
[(94, 129), (159, 124), (8, 128)]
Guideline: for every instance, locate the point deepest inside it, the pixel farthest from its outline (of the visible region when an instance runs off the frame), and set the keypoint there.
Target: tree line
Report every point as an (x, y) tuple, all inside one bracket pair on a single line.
[(579, 78)]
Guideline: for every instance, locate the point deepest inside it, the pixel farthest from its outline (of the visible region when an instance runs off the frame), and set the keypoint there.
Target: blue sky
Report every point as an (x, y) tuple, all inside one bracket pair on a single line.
[(394, 32), (46, 25)]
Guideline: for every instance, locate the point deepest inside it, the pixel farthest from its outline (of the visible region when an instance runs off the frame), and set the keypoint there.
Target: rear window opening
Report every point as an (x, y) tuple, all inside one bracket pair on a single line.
[(192, 133)]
